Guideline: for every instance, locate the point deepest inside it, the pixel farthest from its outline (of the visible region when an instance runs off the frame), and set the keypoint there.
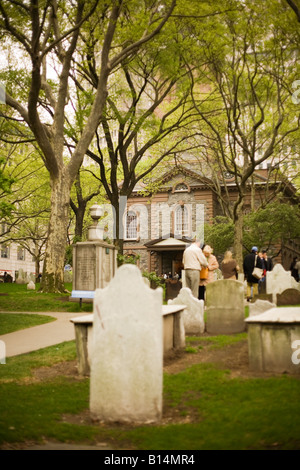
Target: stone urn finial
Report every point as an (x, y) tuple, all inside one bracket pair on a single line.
[(95, 232)]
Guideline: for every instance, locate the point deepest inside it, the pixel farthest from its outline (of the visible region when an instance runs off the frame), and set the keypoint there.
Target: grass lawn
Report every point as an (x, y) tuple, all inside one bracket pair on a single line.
[(10, 322), (16, 298), (209, 408), (206, 405)]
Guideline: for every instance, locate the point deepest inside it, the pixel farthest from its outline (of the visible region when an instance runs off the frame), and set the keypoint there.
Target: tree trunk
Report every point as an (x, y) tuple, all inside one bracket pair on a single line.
[(79, 217), (238, 237), (53, 269), (37, 268)]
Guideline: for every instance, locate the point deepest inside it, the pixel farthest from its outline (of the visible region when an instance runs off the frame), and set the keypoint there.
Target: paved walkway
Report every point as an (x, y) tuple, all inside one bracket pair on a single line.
[(41, 336)]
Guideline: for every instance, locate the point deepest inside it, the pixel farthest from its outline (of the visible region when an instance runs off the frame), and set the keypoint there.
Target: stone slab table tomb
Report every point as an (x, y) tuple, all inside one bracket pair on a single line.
[(274, 340), (173, 334)]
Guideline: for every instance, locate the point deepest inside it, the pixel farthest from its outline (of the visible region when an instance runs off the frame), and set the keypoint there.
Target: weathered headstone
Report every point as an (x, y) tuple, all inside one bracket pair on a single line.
[(68, 276), (127, 353), (260, 306), (289, 297), (31, 285), (193, 315), (267, 297), (273, 340), (225, 308), (279, 280), (21, 278)]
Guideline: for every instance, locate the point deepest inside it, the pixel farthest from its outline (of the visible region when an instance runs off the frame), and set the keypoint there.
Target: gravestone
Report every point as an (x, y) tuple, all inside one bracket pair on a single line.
[(172, 288), (94, 261), (225, 308), (31, 285), (279, 280), (266, 297), (289, 297), (273, 337), (127, 352), (260, 306), (21, 278), (193, 315), (68, 276)]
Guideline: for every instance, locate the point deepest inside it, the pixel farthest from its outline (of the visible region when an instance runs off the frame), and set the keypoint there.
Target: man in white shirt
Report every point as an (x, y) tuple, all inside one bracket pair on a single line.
[(193, 261)]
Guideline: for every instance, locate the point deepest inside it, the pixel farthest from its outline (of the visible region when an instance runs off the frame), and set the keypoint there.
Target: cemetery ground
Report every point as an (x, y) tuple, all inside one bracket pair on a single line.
[(211, 398)]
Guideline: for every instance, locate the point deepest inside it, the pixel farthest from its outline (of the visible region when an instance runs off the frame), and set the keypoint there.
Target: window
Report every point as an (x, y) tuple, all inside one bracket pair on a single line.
[(181, 187), (4, 251), (182, 221), (131, 226), (21, 254)]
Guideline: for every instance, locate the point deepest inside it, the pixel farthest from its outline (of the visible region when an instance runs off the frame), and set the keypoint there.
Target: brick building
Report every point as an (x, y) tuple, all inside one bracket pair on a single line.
[(159, 226)]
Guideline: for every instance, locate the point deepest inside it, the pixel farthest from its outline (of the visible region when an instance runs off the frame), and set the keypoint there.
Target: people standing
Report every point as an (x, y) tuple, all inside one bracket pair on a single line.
[(268, 261), (212, 265), (267, 266), (229, 266), (193, 261), (294, 269), (251, 261), (297, 266)]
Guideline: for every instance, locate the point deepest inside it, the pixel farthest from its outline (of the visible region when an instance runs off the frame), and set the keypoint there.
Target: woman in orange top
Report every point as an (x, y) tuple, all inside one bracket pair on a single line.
[(212, 266)]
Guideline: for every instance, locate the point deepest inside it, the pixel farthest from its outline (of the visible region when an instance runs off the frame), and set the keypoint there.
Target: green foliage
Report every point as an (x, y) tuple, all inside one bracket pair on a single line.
[(219, 235), (69, 250), (264, 228), (6, 182), (154, 279), (276, 222), (127, 259)]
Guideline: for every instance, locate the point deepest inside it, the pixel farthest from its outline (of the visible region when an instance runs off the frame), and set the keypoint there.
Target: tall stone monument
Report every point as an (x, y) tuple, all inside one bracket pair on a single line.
[(94, 261), (127, 352)]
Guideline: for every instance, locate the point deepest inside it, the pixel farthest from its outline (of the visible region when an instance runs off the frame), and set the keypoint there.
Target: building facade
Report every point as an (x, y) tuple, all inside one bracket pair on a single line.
[(158, 227)]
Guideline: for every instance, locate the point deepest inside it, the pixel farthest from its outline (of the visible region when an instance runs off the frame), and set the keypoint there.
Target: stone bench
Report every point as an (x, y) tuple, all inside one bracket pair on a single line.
[(173, 334), (273, 337)]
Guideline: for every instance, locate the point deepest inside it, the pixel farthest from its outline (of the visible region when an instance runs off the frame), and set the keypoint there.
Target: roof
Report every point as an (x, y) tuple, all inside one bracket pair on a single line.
[(168, 242)]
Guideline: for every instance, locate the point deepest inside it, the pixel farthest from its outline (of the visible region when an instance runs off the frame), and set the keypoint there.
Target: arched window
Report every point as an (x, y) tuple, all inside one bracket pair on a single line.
[(131, 225), (181, 187), (182, 221)]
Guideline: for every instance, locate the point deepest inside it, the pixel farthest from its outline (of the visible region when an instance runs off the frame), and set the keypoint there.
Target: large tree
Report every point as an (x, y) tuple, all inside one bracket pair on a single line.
[(246, 108), (145, 123), (48, 33)]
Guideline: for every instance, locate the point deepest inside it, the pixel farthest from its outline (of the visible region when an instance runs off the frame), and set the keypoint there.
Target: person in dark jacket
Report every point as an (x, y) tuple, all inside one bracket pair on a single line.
[(268, 261), (250, 261), (293, 269)]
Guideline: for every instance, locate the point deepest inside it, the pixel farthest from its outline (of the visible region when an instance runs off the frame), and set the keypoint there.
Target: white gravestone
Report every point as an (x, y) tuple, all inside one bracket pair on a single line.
[(127, 353), (193, 315), (260, 306), (31, 285), (278, 280)]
